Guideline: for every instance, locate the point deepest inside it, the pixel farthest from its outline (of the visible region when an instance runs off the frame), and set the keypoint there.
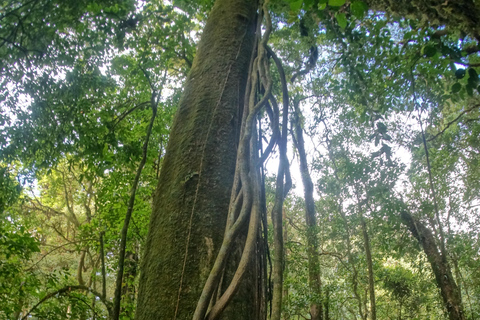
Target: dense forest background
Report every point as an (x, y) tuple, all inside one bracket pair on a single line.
[(346, 132)]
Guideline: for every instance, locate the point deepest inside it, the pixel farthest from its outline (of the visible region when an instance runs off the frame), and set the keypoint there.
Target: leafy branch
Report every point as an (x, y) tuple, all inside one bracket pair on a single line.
[(453, 121), (65, 291)]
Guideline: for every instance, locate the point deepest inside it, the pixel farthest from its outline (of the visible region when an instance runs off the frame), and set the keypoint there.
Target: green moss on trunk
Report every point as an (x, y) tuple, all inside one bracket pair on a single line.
[(191, 202), (450, 293)]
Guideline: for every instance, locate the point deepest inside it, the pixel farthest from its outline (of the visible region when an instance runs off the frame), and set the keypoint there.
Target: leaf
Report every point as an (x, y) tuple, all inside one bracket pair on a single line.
[(381, 127), (429, 51), (358, 9), (341, 19), (309, 3), (472, 77), (296, 5), (336, 3), (460, 73), (456, 87), (322, 4), (469, 88), (472, 73)]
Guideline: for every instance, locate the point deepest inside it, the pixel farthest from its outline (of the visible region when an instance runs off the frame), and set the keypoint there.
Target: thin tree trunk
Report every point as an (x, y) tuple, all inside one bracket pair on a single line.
[(128, 289), (285, 269), (104, 272), (326, 305), (81, 264), (283, 185), (371, 280), (314, 279), (124, 233), (441, 268), (191, 202)]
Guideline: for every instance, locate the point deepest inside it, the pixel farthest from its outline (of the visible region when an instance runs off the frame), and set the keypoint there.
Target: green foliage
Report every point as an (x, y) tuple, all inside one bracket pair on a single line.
[(77, 81), (9, 189), (17, 245)]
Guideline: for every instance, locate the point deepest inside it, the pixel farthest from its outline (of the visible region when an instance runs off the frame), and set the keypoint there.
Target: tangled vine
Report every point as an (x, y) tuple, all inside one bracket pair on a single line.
[(246, 200)]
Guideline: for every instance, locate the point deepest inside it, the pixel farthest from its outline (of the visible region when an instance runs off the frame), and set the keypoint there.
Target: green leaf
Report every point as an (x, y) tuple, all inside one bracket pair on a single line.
[(336, 3), (472, 73), (456, 87), (358, 9), (429, 51), (296, 5), (309, 3), (469, 88), (341, 19), (460, 73), (472, 77), (322, 4)]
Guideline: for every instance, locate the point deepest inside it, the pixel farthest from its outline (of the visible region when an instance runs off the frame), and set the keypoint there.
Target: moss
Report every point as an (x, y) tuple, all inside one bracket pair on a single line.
[(202, 141)]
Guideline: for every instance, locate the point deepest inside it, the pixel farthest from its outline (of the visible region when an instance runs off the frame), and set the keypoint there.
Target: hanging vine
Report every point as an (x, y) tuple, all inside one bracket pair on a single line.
[(246, 204)]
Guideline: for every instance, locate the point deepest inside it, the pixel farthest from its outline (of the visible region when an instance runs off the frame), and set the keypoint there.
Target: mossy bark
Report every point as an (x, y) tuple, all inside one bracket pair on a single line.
[(443, 274), (191, 202), (128, 287)]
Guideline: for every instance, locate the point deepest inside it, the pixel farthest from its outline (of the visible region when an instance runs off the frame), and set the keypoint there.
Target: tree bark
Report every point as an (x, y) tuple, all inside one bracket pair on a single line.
[(326, 305), (441, 268), (371, 280), (314, 280), (128, 288), (191, 202)]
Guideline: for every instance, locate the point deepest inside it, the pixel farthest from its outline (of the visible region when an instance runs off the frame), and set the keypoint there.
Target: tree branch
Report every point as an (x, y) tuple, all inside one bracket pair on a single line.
[(128, 215), (453, 121), (66, 290)]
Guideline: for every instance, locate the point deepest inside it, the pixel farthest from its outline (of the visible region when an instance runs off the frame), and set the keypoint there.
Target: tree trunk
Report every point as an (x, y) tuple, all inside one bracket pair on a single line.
[(326, 305), (371, 280), (191, 202), (443, 274), (128, 287), (314, 279)]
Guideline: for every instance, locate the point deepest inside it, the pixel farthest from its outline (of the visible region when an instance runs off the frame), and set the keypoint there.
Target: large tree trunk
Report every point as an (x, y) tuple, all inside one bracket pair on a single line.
[(443, 274), (191, 202)]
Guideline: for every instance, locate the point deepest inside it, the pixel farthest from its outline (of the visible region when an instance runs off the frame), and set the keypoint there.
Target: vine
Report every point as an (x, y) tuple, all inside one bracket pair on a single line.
[(245, 204)]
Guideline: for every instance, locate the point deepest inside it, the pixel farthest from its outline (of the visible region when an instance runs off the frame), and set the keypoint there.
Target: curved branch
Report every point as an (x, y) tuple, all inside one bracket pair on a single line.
[(273, 115), (453, 121), (66, 290), (55, 249)]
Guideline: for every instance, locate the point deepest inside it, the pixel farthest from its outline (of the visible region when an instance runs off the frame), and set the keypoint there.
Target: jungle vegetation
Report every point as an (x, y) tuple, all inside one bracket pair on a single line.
[(239, 159)]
